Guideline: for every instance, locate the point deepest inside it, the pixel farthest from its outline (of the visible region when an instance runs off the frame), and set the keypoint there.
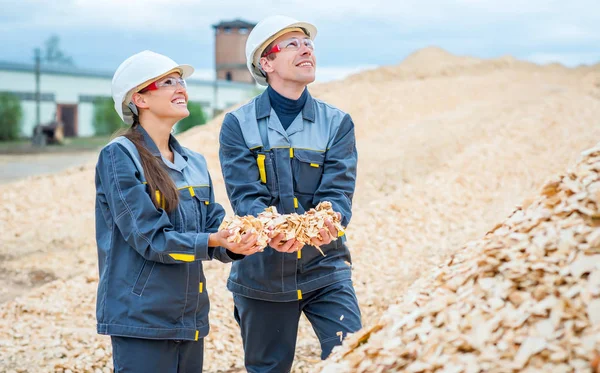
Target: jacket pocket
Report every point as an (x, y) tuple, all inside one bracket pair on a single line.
[(143, 276), (203, 203), (266, 171), (308, 169), (264, 272)]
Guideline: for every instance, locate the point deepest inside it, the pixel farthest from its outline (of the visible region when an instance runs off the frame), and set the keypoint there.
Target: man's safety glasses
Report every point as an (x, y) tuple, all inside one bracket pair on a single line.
[(292, 44)]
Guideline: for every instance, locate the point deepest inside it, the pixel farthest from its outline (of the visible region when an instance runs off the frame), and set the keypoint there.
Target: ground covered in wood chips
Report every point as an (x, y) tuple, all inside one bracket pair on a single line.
[(448, 146)]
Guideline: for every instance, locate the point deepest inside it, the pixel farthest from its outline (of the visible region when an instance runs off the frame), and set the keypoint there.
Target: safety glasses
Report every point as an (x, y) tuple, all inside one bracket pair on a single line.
[(168, 82), (292, 44)]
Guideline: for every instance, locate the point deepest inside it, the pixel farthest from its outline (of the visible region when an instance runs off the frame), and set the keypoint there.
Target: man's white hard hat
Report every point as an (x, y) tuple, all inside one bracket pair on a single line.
[(264, 33), (137, 72)]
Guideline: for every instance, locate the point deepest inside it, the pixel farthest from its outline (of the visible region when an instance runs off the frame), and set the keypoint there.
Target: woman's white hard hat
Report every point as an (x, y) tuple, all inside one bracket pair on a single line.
[(137, 72)]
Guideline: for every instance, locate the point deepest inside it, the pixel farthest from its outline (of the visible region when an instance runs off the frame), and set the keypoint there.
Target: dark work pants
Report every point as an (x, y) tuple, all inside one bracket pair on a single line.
[(136, 355), (269, 329)]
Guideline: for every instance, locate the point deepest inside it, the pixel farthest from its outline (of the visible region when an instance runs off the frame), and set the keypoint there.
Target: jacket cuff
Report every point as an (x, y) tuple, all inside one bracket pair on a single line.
[(201, 247), (234, 256)]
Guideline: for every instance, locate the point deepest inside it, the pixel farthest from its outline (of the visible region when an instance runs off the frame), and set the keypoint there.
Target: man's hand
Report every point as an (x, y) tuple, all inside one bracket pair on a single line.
[(327, 235), (289, 246)]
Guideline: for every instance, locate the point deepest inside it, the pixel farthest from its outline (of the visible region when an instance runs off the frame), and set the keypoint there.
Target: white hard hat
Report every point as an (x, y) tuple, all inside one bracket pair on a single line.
[(137, 72), (264, 33)]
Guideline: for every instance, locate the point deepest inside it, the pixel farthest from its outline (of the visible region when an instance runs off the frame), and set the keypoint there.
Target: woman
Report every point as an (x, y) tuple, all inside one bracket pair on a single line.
[(156, 221)]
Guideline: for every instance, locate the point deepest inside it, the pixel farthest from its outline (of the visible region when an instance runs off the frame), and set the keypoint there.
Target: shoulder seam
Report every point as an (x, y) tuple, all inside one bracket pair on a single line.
[(318, 101)]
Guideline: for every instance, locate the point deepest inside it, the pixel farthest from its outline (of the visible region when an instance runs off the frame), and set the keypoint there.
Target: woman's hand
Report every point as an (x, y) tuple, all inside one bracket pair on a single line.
[(246, 247)]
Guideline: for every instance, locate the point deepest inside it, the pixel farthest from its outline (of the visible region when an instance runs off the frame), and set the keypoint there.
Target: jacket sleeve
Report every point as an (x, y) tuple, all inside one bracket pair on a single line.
[(248, 196), (148, 230), (339, 171), (215, 215)]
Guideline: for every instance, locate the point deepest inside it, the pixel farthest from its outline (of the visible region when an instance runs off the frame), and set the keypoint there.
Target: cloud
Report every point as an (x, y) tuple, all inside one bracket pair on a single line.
[(554, 32), (168, 16), (351, 32)]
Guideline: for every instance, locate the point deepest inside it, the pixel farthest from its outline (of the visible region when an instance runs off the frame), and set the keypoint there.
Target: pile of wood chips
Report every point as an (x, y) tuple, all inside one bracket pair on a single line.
[(268, 223), (526, 297)]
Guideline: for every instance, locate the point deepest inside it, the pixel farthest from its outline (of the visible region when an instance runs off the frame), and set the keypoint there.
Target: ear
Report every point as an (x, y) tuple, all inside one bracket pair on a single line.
[(140, 101), (266, 65)]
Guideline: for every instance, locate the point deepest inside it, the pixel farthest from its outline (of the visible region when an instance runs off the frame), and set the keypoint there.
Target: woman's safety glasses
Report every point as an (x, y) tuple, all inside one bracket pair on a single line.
[(292, 44), (169, 82)]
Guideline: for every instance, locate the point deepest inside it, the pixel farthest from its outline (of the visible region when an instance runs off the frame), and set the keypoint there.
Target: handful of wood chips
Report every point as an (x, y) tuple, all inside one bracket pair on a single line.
[(269, 222)]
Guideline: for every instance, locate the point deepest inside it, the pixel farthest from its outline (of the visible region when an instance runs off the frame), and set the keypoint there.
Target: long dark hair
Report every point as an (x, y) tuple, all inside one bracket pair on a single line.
[(163, 191)]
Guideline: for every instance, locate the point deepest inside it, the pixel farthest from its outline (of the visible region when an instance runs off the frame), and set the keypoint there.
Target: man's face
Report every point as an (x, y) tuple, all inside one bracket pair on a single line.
[(295, 62)]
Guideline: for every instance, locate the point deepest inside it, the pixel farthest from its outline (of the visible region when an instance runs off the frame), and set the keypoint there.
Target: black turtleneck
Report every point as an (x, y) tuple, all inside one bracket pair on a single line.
[(287, 110)]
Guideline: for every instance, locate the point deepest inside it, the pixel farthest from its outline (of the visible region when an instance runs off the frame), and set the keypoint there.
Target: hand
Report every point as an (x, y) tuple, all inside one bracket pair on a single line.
[(289, 246), (327, 235), (246, 247)]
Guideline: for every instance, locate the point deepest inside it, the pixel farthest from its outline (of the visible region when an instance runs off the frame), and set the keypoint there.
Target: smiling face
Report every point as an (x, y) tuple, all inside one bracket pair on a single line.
[(291, 64), (167, 101)]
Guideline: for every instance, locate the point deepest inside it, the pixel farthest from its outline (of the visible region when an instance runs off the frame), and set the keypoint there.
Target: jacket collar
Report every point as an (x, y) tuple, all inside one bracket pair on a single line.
[(151, 145), (263, 107)]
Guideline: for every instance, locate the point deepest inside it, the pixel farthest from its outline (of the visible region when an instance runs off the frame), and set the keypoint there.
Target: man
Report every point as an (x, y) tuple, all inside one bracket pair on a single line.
[(289, 150)]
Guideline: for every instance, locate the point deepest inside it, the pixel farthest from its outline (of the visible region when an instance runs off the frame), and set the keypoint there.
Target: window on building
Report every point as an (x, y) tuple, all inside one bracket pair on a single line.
[(243, 30), (227, 30), (228, 75)]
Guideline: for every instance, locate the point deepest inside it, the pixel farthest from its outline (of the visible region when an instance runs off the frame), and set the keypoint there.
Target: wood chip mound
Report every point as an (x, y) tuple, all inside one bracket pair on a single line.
[(525, 298), (303, 227)]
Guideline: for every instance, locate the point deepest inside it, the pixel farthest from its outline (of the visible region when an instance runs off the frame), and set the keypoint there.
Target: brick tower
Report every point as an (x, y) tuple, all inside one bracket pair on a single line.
[(230, 44)]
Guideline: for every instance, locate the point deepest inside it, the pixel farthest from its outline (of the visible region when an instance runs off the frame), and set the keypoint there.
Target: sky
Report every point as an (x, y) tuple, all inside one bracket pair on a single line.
[(352, 34)]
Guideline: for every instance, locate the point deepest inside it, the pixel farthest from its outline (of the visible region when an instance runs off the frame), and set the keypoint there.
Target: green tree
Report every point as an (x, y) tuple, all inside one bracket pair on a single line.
[(106, 119), (195, 118), (53, 54), (11, 115)]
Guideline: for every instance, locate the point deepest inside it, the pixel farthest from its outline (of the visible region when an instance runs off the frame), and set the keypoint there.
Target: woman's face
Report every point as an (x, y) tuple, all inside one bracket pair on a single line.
[(167, 98)]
